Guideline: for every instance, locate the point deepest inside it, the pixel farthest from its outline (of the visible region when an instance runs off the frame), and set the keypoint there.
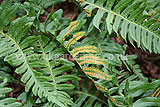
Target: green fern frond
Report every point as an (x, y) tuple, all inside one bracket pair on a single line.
[(151, 101), (50, 65), (127, 18)]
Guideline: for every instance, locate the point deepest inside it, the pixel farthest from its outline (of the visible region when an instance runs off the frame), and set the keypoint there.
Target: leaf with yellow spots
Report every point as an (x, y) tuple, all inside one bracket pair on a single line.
[(95, 75), (92, 61), (74, 23), (84, 49), (97, 71), (156, 93), (91, 57), (68, 30), (88, 12), (76, 36)]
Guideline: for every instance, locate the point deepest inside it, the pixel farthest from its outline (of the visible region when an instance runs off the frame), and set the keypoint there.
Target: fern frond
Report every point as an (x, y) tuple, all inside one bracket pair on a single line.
[(50, 65), (137, 90), (127, 18), (87, 52), (147, 101), (94, 66)]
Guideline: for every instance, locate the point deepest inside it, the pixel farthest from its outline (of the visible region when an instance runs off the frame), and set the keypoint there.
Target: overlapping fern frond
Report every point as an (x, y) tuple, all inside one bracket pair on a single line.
[(87, 56), (136, 19), (87, 53)]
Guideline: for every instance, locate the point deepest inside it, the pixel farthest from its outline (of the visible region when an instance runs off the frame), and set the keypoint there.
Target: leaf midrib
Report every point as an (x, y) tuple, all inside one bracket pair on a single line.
[(121, 17), (47, 60)]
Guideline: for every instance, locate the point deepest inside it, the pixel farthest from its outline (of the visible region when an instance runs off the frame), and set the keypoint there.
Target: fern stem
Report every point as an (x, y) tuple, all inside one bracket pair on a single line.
[(50, 69)]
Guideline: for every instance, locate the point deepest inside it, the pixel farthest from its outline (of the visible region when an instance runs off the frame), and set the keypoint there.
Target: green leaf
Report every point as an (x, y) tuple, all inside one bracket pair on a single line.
[(147, 102)]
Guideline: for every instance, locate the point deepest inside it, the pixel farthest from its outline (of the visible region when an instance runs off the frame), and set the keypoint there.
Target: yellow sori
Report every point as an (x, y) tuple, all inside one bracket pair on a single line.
[(72, 23), (77, 34), (83, 51), (72, 26), (94, 74), (80, 1), (91, 61), (95, 70), (88, 12), (72, 41), (84, 47), (156, 92), (70, 30), (90, 57)]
